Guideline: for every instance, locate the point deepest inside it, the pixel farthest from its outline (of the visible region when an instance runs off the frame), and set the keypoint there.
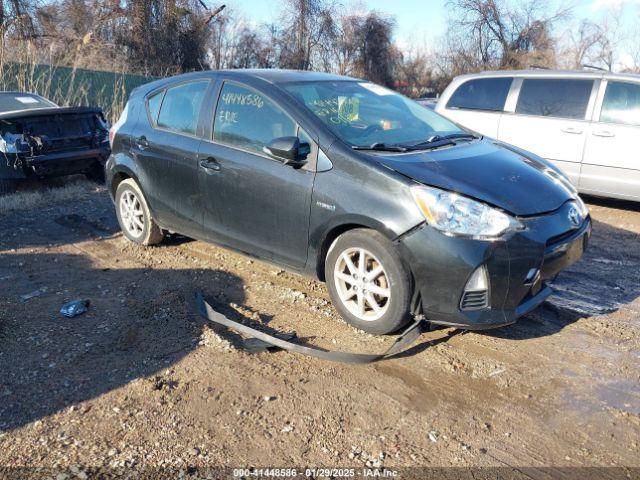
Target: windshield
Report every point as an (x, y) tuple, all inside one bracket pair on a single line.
[(363, 113), (10, 102)]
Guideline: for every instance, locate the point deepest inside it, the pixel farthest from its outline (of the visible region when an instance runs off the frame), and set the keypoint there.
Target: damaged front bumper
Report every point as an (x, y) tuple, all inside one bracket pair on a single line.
[(516, 269)]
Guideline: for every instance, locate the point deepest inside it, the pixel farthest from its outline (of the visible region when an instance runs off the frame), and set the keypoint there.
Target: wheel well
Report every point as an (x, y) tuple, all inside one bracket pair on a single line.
[(117, 178), (326, 244)]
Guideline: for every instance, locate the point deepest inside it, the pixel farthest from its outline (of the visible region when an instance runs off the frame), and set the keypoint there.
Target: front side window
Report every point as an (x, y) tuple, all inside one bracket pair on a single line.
[(181, 107), (621, 104), (249, 120), (362, 113), (561, 98), (489, 94)]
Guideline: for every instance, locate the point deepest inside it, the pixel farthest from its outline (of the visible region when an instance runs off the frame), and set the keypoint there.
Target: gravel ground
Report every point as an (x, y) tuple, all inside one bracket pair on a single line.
[(140, 382)]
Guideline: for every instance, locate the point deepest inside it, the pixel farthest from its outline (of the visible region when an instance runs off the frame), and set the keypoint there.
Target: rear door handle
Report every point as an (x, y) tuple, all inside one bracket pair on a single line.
[(573, 130), (210, 164), (604, 133), (142, 142)]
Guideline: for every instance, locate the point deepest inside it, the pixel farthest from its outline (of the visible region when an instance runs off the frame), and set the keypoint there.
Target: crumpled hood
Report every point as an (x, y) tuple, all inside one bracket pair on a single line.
[(486, 171)]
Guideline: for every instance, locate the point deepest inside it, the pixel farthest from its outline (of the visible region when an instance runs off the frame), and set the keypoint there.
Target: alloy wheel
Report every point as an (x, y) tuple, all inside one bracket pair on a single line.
[(132, 214), (362, 284)]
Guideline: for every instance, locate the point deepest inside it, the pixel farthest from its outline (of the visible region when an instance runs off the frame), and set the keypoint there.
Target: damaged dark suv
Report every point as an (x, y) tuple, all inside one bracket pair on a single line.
[(38, 139), (398, 209)]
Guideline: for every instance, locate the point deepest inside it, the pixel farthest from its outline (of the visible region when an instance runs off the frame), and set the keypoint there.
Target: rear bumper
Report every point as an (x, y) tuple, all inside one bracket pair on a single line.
[(442, 265)]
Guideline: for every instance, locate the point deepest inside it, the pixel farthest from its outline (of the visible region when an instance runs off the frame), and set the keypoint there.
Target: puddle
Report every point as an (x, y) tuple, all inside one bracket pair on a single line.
[(619, 394)]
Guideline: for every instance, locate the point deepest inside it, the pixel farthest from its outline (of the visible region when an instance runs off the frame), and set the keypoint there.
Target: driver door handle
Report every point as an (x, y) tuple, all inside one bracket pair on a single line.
[(210, 164)]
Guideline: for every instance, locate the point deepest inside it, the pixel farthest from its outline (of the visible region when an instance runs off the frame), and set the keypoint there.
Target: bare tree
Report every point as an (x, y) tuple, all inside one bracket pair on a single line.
[(497, 34)]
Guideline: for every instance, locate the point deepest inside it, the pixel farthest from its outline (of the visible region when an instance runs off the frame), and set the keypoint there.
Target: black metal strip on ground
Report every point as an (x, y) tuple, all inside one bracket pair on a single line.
[(408, 336)]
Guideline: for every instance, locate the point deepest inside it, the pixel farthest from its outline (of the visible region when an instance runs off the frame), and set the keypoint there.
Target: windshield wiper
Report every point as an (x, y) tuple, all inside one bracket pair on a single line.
[(381, 147), (436, 141)]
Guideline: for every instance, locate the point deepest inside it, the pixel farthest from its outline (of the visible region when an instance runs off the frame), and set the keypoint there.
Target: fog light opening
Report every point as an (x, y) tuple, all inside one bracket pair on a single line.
[(476, 291)]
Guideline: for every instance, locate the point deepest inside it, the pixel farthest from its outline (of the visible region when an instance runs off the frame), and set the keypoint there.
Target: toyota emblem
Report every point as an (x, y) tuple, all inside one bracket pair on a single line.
[(574, 216)]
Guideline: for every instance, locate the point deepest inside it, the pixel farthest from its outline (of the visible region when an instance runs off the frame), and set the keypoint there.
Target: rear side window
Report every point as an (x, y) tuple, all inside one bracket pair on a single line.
[(621, 104), (481, 94), (153, 106), (248, 120), (181, 107), (554, 98)]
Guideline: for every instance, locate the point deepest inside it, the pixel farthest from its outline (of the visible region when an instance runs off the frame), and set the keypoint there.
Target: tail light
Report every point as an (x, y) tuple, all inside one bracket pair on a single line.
[(112, 134)]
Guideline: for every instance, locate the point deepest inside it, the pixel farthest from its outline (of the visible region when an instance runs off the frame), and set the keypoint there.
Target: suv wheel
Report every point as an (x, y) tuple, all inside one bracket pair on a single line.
[(134, 216), (367, 281)]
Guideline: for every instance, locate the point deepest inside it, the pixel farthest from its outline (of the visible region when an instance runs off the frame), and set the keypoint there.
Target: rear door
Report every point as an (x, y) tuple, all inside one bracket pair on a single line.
[(611, 164), (166, 148), (549, 119), (477, 104), (252, 201)]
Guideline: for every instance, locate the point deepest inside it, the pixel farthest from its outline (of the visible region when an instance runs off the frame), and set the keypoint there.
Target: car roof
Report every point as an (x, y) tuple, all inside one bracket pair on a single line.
[(543, 73), (274, 75)]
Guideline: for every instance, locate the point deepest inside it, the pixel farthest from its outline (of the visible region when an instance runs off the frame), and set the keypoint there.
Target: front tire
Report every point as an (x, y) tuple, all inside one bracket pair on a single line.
[(368, 283), (134, 215)]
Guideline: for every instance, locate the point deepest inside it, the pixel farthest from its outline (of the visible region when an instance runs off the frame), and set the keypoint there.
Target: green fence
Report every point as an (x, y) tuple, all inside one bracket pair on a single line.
[(72, 86)]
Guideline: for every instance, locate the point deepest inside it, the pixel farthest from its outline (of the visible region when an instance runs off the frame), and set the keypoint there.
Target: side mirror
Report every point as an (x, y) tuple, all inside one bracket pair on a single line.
[(289, 150)]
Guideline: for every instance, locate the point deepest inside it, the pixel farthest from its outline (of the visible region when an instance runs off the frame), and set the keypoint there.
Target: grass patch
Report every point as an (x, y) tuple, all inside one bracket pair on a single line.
[(43, 194)]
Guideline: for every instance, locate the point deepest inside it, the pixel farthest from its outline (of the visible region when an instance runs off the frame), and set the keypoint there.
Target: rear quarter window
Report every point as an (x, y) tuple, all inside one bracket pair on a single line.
[(153, 106), (489, 94), (560, 98)]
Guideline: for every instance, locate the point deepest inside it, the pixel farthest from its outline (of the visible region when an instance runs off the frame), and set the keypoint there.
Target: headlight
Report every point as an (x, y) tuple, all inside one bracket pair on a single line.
[(454, 214), (584, 210)]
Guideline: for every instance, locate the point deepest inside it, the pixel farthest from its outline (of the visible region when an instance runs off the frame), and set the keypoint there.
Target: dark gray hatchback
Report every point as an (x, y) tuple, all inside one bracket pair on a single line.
[(399, 210)]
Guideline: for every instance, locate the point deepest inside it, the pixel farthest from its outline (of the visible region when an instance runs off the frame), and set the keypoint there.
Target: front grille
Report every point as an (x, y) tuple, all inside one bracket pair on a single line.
[(475, 300), (560, 238)]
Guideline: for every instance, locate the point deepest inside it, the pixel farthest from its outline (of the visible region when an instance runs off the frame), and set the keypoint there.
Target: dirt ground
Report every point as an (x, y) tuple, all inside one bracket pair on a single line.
[(141, 382)]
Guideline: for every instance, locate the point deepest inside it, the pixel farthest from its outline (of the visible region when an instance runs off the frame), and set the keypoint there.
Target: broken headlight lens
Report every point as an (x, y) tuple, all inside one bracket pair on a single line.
[(456, 215)]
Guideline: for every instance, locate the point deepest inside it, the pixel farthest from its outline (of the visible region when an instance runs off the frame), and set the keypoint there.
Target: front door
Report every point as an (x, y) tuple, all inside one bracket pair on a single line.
[(253, 202), (611, 164), (550, 120)]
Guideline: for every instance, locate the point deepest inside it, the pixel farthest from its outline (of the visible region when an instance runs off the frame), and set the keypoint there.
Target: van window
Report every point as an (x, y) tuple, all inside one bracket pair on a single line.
[(181, 107), (621, 104), (481, 94), (560, 98), (248, 120)]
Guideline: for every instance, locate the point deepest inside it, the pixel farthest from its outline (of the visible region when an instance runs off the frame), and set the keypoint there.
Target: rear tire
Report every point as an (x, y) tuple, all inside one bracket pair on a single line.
[(134, 215), (368, 283)]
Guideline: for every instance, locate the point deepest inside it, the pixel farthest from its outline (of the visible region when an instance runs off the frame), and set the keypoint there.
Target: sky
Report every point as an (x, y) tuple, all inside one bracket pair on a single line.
[(423, 21)]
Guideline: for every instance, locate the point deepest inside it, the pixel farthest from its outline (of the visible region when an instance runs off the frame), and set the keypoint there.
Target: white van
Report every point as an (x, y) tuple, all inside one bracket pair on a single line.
[(586, 123)]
